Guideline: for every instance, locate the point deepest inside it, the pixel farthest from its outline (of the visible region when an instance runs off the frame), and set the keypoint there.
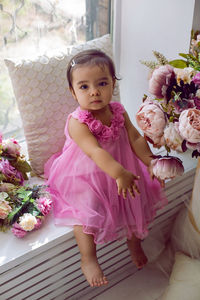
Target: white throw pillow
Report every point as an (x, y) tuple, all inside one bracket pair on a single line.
[(44, 99), (184, 282)]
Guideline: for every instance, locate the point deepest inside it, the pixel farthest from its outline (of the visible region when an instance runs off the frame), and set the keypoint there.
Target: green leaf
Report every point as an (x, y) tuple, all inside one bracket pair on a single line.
[(178, 63), (184, 55), (22, 166)]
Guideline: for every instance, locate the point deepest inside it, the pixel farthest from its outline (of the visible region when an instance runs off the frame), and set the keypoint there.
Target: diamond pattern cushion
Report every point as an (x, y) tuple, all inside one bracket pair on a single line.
[(44, 100)]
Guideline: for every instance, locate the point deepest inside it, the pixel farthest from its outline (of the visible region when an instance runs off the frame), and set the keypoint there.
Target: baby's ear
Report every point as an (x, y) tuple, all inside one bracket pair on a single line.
[(72, 92)]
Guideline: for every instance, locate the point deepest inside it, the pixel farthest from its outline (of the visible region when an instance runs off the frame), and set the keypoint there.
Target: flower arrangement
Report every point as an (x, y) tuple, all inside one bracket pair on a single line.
[(22, 208), (170, 116)]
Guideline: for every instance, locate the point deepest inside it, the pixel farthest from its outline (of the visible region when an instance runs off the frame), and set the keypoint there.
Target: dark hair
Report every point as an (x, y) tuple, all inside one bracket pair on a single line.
[(90, 57)]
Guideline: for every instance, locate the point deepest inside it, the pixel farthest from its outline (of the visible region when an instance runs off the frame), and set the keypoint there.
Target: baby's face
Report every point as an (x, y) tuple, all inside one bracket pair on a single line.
[(92, 86)]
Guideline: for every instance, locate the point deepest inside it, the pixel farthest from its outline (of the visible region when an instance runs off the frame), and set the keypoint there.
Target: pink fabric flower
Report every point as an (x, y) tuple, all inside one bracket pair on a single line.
[(44, 204), (84, 116), (18, 231), (167, 167), (172, 137), (102, 132), (151, 119), (12, 147), (159, 80), (95, 126), (189, 125), (13, 175)]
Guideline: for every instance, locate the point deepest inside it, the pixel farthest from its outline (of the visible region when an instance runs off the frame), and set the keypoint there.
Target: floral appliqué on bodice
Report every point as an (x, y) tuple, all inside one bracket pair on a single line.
[(103, 132)]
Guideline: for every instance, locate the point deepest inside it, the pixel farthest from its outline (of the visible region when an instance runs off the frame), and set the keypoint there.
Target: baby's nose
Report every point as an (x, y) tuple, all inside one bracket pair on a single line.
[(94, 91)]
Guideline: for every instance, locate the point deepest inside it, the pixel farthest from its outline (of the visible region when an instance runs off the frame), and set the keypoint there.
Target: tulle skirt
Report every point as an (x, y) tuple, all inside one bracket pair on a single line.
[(84, 195)]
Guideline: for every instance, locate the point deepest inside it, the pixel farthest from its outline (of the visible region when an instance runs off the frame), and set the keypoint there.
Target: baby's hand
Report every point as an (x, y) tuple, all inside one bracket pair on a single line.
[(126, 182)]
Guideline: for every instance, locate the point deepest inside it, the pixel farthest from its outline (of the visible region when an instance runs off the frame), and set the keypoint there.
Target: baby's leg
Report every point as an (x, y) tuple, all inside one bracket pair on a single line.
[(89, 262), (137, 253)]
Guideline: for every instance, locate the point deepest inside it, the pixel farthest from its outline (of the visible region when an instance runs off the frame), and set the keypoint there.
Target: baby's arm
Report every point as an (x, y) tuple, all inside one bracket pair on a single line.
[(140, 146), (90, 146), (138, 143)]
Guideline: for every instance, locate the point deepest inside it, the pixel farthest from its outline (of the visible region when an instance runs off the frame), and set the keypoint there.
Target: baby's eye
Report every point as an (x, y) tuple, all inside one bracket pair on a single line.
[(103, 83), (84, 87)]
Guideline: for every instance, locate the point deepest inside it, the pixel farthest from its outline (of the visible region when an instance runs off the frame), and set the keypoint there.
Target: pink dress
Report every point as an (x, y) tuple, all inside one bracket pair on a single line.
[(84, 195)]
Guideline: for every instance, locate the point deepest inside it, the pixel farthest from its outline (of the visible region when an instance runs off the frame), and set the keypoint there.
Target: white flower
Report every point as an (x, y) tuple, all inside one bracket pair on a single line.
[(172, 137), (185, 74), (27, 222)]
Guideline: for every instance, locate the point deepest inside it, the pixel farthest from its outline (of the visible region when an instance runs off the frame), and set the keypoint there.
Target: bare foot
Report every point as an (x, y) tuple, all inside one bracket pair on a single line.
[(93, 272), (137, 254)]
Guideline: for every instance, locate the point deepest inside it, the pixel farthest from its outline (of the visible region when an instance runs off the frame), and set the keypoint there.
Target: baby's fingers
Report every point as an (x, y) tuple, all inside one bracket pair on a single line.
[(131, 191), (135, 187), (124, 193)]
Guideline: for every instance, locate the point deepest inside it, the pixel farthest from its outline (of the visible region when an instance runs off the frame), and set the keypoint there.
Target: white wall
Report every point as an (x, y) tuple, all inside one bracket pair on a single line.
[(141, 26)]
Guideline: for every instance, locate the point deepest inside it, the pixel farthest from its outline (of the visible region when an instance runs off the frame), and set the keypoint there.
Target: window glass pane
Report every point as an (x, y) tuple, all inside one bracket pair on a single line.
[(32, 26)]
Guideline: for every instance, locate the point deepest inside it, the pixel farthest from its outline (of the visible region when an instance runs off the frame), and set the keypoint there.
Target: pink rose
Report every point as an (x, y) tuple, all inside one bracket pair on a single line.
[(196, 78), (151, 119), (160, 80), (12, 147), (95, 126), (189, 125), (18, 231), (167, 167)]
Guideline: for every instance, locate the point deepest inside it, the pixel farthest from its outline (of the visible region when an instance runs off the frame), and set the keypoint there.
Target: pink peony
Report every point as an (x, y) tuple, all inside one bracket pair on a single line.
[(151, 119), (160, 80), (12, 147), (172, 137), (167, 167), (18, 231), (189, 125), (44, 204)]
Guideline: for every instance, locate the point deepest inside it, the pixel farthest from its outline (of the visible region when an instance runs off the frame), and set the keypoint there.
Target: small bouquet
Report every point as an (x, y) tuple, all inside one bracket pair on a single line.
[(170, 116), (23, 208), (13, 166)]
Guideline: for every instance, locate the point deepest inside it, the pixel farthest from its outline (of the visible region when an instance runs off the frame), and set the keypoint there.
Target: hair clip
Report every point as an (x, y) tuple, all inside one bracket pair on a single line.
[(73, 63)]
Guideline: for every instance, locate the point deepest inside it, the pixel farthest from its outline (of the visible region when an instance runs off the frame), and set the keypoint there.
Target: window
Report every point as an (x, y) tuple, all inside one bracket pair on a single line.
[(32, 26)]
